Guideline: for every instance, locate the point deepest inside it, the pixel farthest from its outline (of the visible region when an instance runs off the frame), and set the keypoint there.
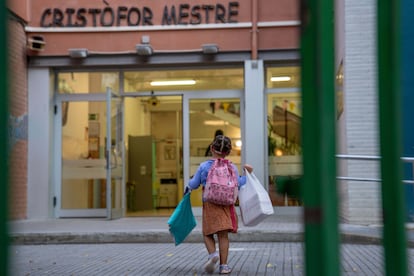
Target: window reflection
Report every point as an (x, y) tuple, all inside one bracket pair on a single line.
[(284, 124), (87, 82), (284, 118)]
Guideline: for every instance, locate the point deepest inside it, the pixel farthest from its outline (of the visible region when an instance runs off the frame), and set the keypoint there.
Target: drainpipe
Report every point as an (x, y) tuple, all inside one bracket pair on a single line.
[(254, 29)]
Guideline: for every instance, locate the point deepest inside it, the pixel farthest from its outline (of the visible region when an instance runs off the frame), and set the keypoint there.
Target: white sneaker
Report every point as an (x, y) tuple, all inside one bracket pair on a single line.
[(211, 264)]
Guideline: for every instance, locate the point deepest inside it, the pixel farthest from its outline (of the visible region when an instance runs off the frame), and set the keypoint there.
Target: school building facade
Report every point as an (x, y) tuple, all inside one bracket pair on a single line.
[(113, 103)]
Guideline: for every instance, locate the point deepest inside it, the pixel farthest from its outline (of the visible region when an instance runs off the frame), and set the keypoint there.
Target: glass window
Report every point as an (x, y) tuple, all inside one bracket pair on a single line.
[(153, 131), (283, 77), (209, 117), (284, 124), (87, 82), (83, 171), (284, 116), (202, 79)]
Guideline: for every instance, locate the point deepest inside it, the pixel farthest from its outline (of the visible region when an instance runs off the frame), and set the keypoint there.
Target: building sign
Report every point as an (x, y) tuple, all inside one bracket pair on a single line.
[(182, 14)]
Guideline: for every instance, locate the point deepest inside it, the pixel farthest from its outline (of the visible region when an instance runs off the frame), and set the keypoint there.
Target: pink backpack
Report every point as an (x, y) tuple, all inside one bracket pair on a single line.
[(222, 184)]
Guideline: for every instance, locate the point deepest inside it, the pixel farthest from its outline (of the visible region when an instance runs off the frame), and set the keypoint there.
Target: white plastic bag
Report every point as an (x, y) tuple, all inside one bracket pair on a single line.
[(254, 201)]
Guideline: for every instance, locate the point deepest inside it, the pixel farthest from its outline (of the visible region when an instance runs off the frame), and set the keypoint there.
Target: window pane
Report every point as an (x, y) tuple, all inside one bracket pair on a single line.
[(87, 82), (207, 116), (83, 160), (284, 123), (284, 148), (153, 129), (277, 77), (165, 80)]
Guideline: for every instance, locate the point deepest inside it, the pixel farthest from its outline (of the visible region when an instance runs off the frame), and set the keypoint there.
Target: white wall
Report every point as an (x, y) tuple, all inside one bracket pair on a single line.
[(254, 131), (40, 130), (361, 114)]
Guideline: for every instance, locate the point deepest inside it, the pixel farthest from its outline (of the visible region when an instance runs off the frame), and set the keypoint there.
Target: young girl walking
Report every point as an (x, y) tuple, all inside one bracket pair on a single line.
[(217, 219)]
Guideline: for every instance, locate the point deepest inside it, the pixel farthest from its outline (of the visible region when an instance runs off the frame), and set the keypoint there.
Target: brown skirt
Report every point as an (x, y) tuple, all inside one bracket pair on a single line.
[(218, 218)]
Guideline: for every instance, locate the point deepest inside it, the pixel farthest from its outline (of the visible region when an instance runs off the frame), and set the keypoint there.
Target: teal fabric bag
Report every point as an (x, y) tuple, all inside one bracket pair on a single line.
[(182, 220)]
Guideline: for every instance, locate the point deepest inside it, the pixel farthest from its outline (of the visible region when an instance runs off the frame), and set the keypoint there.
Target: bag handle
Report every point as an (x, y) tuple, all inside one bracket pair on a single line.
[(251, 175)]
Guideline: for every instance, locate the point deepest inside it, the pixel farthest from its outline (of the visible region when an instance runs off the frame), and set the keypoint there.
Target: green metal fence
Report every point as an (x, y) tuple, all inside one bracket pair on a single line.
[(318, 130), (389, 68), (3, 141)]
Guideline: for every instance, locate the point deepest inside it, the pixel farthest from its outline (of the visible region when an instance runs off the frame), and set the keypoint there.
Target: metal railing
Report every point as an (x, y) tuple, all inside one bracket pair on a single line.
[(370, 158)]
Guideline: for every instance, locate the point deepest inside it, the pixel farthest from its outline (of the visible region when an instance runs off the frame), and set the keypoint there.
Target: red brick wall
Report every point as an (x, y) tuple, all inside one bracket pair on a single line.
[(18, 119), (166, 39)]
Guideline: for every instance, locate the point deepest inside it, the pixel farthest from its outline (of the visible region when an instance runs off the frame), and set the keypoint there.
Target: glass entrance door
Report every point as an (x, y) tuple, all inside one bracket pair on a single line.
[(153, 131), (220, 112), (90, 171)]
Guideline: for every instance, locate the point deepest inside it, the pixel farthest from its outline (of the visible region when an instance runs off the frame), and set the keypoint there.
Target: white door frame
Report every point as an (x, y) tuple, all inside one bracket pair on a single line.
[(114, 170), (57, 176)]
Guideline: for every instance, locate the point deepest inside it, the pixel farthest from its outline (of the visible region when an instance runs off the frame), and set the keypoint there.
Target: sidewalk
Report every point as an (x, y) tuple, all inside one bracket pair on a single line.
[(279, 227)]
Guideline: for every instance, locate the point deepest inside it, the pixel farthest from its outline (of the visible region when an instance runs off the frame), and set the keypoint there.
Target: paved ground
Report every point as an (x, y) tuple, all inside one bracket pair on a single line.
[(144, 246), (276, 258)]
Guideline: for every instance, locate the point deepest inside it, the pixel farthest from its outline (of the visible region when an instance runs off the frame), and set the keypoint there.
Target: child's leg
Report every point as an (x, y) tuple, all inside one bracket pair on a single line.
[(210, 243), (223, 240), (213, 257)]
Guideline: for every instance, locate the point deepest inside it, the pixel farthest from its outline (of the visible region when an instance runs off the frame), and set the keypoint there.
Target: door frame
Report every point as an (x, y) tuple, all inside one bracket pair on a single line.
[(115, 170), (57, 168), (186, 97)]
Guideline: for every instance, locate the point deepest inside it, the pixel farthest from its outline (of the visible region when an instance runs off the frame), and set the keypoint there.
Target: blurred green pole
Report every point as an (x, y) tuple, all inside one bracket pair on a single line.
[(319, 138), (4, 149), (389, 79)]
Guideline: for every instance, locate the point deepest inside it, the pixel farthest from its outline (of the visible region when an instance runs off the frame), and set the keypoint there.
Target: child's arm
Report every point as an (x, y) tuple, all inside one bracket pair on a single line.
[(195, 181), (242, 178)]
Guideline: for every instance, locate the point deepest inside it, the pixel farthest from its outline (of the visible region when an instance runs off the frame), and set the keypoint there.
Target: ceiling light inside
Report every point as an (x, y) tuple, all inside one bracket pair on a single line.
[(215, 123), (280, 78), (173, 82), (238, 143)]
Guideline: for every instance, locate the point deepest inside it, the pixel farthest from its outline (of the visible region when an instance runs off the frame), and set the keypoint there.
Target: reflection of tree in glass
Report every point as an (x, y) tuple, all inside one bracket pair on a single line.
[(279, 142), (271, 142)]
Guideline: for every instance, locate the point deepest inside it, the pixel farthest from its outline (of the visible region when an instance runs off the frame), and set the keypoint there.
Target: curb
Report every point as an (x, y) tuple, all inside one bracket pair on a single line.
[(165, 237), (143, 237)]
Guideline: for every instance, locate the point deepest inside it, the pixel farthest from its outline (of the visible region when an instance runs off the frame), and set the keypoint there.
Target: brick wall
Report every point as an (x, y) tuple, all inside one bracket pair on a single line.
[(17, 120), (361, 111)]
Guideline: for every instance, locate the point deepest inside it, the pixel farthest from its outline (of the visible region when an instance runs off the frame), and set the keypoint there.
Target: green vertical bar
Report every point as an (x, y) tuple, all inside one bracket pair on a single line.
[(3, 141), (389, 65), (318, 131)]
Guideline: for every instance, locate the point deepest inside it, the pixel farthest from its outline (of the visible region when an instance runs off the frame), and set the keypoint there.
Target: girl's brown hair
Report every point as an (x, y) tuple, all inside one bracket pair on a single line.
[(221, 145)]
